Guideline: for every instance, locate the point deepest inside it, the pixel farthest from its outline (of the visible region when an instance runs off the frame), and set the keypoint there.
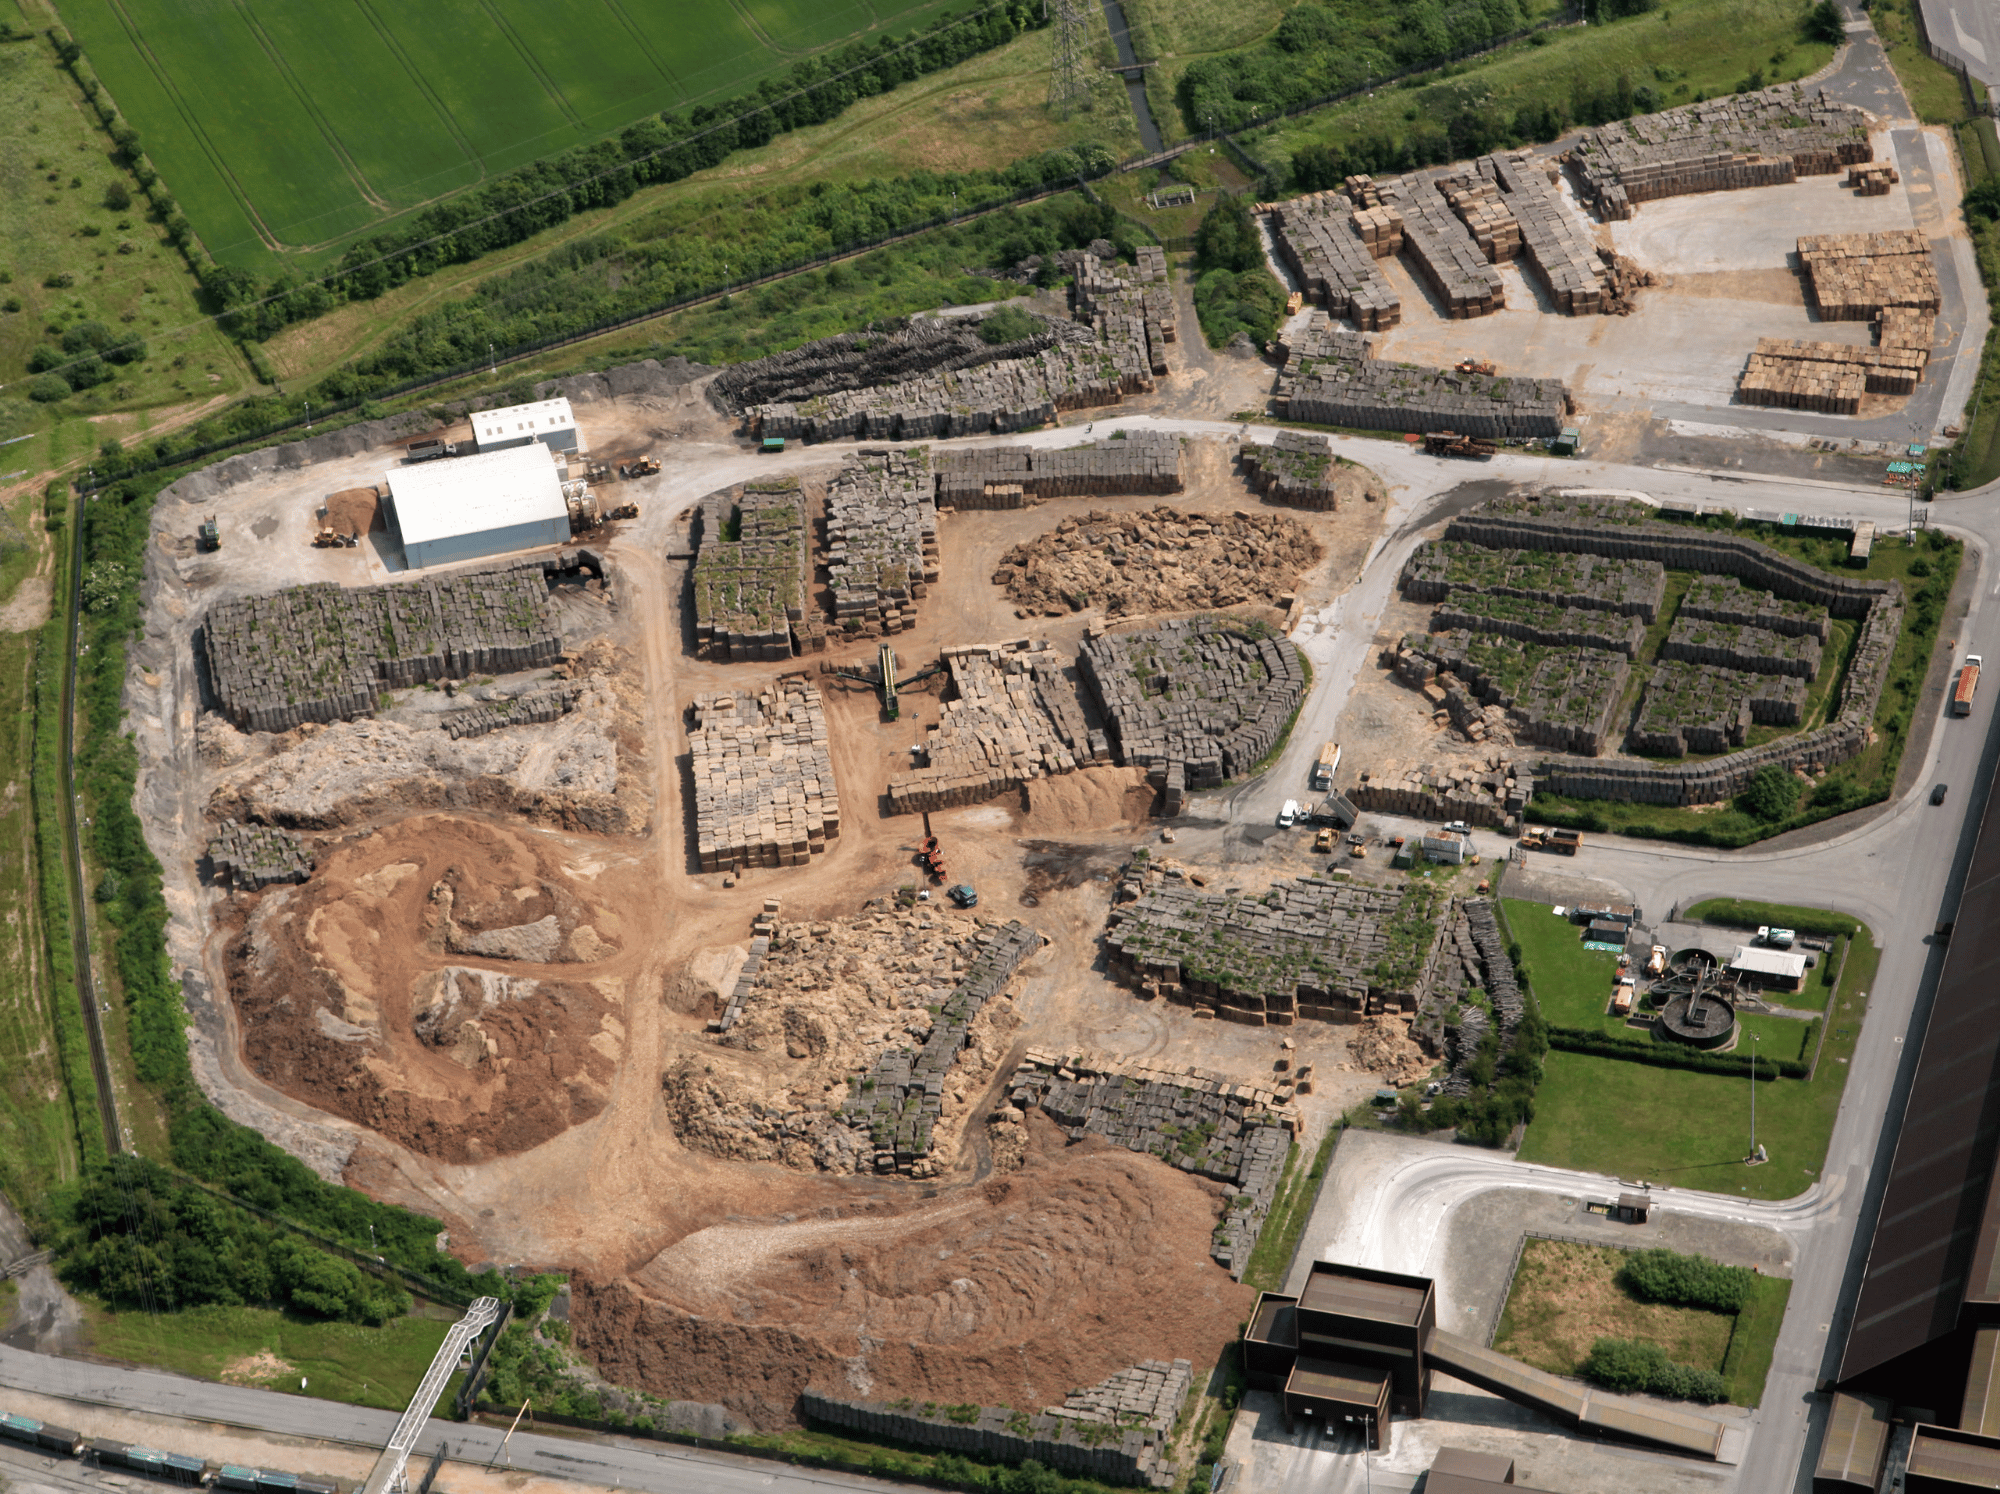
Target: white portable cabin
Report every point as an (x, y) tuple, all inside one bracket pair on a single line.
[(548, 421)]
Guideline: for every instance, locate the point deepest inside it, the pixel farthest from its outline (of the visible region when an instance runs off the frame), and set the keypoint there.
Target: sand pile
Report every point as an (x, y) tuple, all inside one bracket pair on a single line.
[(1382, 1046), (1087, 1260), (1162, 561), (368, 992)]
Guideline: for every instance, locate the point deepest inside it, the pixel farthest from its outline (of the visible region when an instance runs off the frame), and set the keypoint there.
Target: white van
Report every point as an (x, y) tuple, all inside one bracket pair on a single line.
[(1289, 815)]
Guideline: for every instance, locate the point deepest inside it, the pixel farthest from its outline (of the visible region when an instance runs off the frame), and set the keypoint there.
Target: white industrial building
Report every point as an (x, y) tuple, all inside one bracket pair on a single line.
[(470, 507), (548, 421), (1771, 968)]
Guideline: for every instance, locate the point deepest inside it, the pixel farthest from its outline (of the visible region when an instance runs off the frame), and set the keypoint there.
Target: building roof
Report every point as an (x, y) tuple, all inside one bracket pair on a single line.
[(1354, 1294), (1329, 1380), (1275, 1321), (1769, 962), (1980, 1410), (1933, 1246), (1956, 1457), (470, 495), (1856, 1444), (1463, 1461), (517, 421)]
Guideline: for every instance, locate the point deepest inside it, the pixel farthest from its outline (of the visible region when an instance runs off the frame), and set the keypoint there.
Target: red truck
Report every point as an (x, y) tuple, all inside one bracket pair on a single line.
[(1968, 682)]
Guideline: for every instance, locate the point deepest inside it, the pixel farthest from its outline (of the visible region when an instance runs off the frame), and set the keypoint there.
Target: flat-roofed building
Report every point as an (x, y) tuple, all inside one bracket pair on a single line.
[(1271, 1342), (1855, 1448), (549, 421), (1459, 1470), (1376, 1319), (1773, 969), (491, 504), (1944, 1460), (1341, 1397)]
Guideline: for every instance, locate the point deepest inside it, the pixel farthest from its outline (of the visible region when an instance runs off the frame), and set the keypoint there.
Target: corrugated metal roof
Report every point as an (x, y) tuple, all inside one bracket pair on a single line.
[(1326, 1380), (1329, 1289), (1921, 1261), (1961, 1457), (470, 495), (1981, 1409), (1856, 1443), (1768, 962)]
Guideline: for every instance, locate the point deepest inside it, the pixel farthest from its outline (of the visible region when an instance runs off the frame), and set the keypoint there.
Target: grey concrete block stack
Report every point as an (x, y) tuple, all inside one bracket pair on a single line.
[(1133, 1455), (1555, 239), (1443, 248), (901, 1100), (1014, 476), (1371, 394), (1747, 140), (254, 856), (1466, 1027), (1538, 622), (1566, 699), (1149, 1394), (531, 708), (1320, 338), (1702, 708), (1189, 1118), (1726, 599), (1201, 694), (1294, 468), (1105, 291), (1491, 794), (1631, 588), (750, 591), (764, 792), (1013, 717), (1332, 256), (1311, 947), (324, 652), (1731, 646), (881, 539)]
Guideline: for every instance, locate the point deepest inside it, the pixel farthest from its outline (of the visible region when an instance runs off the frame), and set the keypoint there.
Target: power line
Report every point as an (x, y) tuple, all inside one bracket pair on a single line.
[(1069, 82)]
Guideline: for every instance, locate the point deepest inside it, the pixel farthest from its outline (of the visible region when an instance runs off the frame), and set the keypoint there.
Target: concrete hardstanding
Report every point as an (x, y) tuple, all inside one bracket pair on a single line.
[(325, 653), (764, 791)]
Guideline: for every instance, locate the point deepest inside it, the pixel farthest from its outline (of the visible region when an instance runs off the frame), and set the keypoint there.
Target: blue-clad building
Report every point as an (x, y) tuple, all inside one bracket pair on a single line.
[(472, 507)]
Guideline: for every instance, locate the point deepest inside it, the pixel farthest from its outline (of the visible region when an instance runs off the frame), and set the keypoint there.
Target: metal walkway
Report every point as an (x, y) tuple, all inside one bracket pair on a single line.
[(388, 1471)]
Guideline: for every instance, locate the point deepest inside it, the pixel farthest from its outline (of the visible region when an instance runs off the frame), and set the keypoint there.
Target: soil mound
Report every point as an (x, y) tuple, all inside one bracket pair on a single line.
[(1163, 561), (1382, 1045), (1016, 1291), (361, 992)]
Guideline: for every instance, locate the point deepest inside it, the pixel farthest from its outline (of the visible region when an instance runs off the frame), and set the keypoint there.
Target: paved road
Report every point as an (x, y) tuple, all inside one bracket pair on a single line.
[(653, 1466)]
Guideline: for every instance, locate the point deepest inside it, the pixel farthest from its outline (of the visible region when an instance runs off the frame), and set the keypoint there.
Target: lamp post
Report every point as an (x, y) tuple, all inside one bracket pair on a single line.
[(1755, 1157)]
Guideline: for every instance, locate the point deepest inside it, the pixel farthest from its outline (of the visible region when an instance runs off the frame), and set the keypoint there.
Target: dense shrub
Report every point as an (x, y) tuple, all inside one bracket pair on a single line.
[(1009, 324), (1773, 793), (1632, 1365), (1661, 1275), (1252, 303)]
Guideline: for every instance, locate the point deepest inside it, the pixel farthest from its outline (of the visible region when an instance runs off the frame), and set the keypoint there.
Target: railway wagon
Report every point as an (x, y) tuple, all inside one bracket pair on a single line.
[(237, 1477), (40, 1434), (175, 1468)]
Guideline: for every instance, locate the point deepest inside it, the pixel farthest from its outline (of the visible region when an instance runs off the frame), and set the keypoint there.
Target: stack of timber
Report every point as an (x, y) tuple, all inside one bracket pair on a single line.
[(763, 780), (1340, 386), (1554, 238), (1015, 476), (1320, 238), (1855, 276), (1872, 181), (1487, 216), (1443, 248), (750, 592), (881, 539), (1013, 717)]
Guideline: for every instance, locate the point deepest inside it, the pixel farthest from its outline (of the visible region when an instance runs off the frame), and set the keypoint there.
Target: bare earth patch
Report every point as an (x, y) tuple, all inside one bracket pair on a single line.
[(1565, 1297), (28, 608), (256, 1369)]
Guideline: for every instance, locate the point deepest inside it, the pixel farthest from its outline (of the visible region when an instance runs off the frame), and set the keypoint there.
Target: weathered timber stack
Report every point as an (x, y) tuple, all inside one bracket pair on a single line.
[(1105, 291), (1464, 1038), (1310, 947), (1905, 328), (1872, 181), (1754, 650), (1338, 384), (881, 539), (1191, 1118), (1196, 700), (1747, 140), (254, 856), (1534, 621), (530, 708), (900, 1101), (1443, 249), (1013, 717), (1726, 599), (1487, 215), (1566, 700), (1831, 377), (1854, 276), (1632, 588), (325, 653), (1491, 795), (1294, 468), (866, 360), (1014, 476), (750, 591), (1701, 708), (1331, 252), (764, 792), (1555, 240)]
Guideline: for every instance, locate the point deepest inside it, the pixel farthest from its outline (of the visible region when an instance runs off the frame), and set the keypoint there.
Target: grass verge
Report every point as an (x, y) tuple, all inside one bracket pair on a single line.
[(1755, 1339), (1297, 1192)]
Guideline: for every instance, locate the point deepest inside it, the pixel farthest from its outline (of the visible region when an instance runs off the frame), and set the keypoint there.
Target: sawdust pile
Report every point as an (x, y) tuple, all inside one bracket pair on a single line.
[(1382, 1046), (831, 998), (362, 992), (1162, 561), (563, 773), (1088, 1259), (354, 511)]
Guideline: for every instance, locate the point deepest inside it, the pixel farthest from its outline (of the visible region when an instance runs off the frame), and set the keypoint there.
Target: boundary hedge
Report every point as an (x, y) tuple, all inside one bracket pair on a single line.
[(1668, 1055), (1737, 913)]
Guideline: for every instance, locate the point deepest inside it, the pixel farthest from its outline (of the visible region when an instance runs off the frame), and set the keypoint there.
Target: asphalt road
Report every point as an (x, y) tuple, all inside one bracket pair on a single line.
[(654, 1466)]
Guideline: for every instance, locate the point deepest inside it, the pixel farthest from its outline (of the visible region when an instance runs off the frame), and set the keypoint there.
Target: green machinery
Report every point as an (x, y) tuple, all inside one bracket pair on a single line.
[(885, 680)]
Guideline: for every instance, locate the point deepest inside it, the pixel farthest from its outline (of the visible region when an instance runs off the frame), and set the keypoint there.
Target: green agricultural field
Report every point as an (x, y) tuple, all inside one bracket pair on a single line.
[(285, 126)]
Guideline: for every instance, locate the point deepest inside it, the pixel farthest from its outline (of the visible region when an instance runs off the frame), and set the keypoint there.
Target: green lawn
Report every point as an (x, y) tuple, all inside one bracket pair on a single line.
[(1573, 985), (1692, 1130), (1755, 1339), (262, 1346), (286, 125)]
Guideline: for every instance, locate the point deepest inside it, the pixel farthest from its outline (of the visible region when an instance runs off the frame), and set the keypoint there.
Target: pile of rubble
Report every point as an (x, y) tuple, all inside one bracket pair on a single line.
[(814, 1009), (1746, 140), (1196, 700), (325, 652), (1169, 560), (1360, 392), (1856, 276), (1310, 947), (1013, 716), (764, 793), (899, 1102), (1191, 1119), (750, 590), (1382, 1046), (996, 477), (1490, 795), (1705, 709), (1734, 646), (254, 856), (1631, 588), (1294, 468), (881, 539)]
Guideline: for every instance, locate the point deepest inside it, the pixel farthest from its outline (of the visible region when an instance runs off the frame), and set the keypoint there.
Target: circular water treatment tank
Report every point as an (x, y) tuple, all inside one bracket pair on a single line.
[(1704, 1021)]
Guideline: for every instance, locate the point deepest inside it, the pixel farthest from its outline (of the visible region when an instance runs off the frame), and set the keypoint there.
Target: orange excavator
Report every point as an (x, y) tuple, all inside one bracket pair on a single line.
[(930, 857)]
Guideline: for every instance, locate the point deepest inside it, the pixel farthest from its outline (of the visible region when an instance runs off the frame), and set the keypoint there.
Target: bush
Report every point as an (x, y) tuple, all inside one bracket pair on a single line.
[(1632, 1365), (1773, 793), (1252, 303), (1666, 1054), (1008, 324), (117, 196), (1661, 1275), (47, 388), (1824, 23), (1227, 239)]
